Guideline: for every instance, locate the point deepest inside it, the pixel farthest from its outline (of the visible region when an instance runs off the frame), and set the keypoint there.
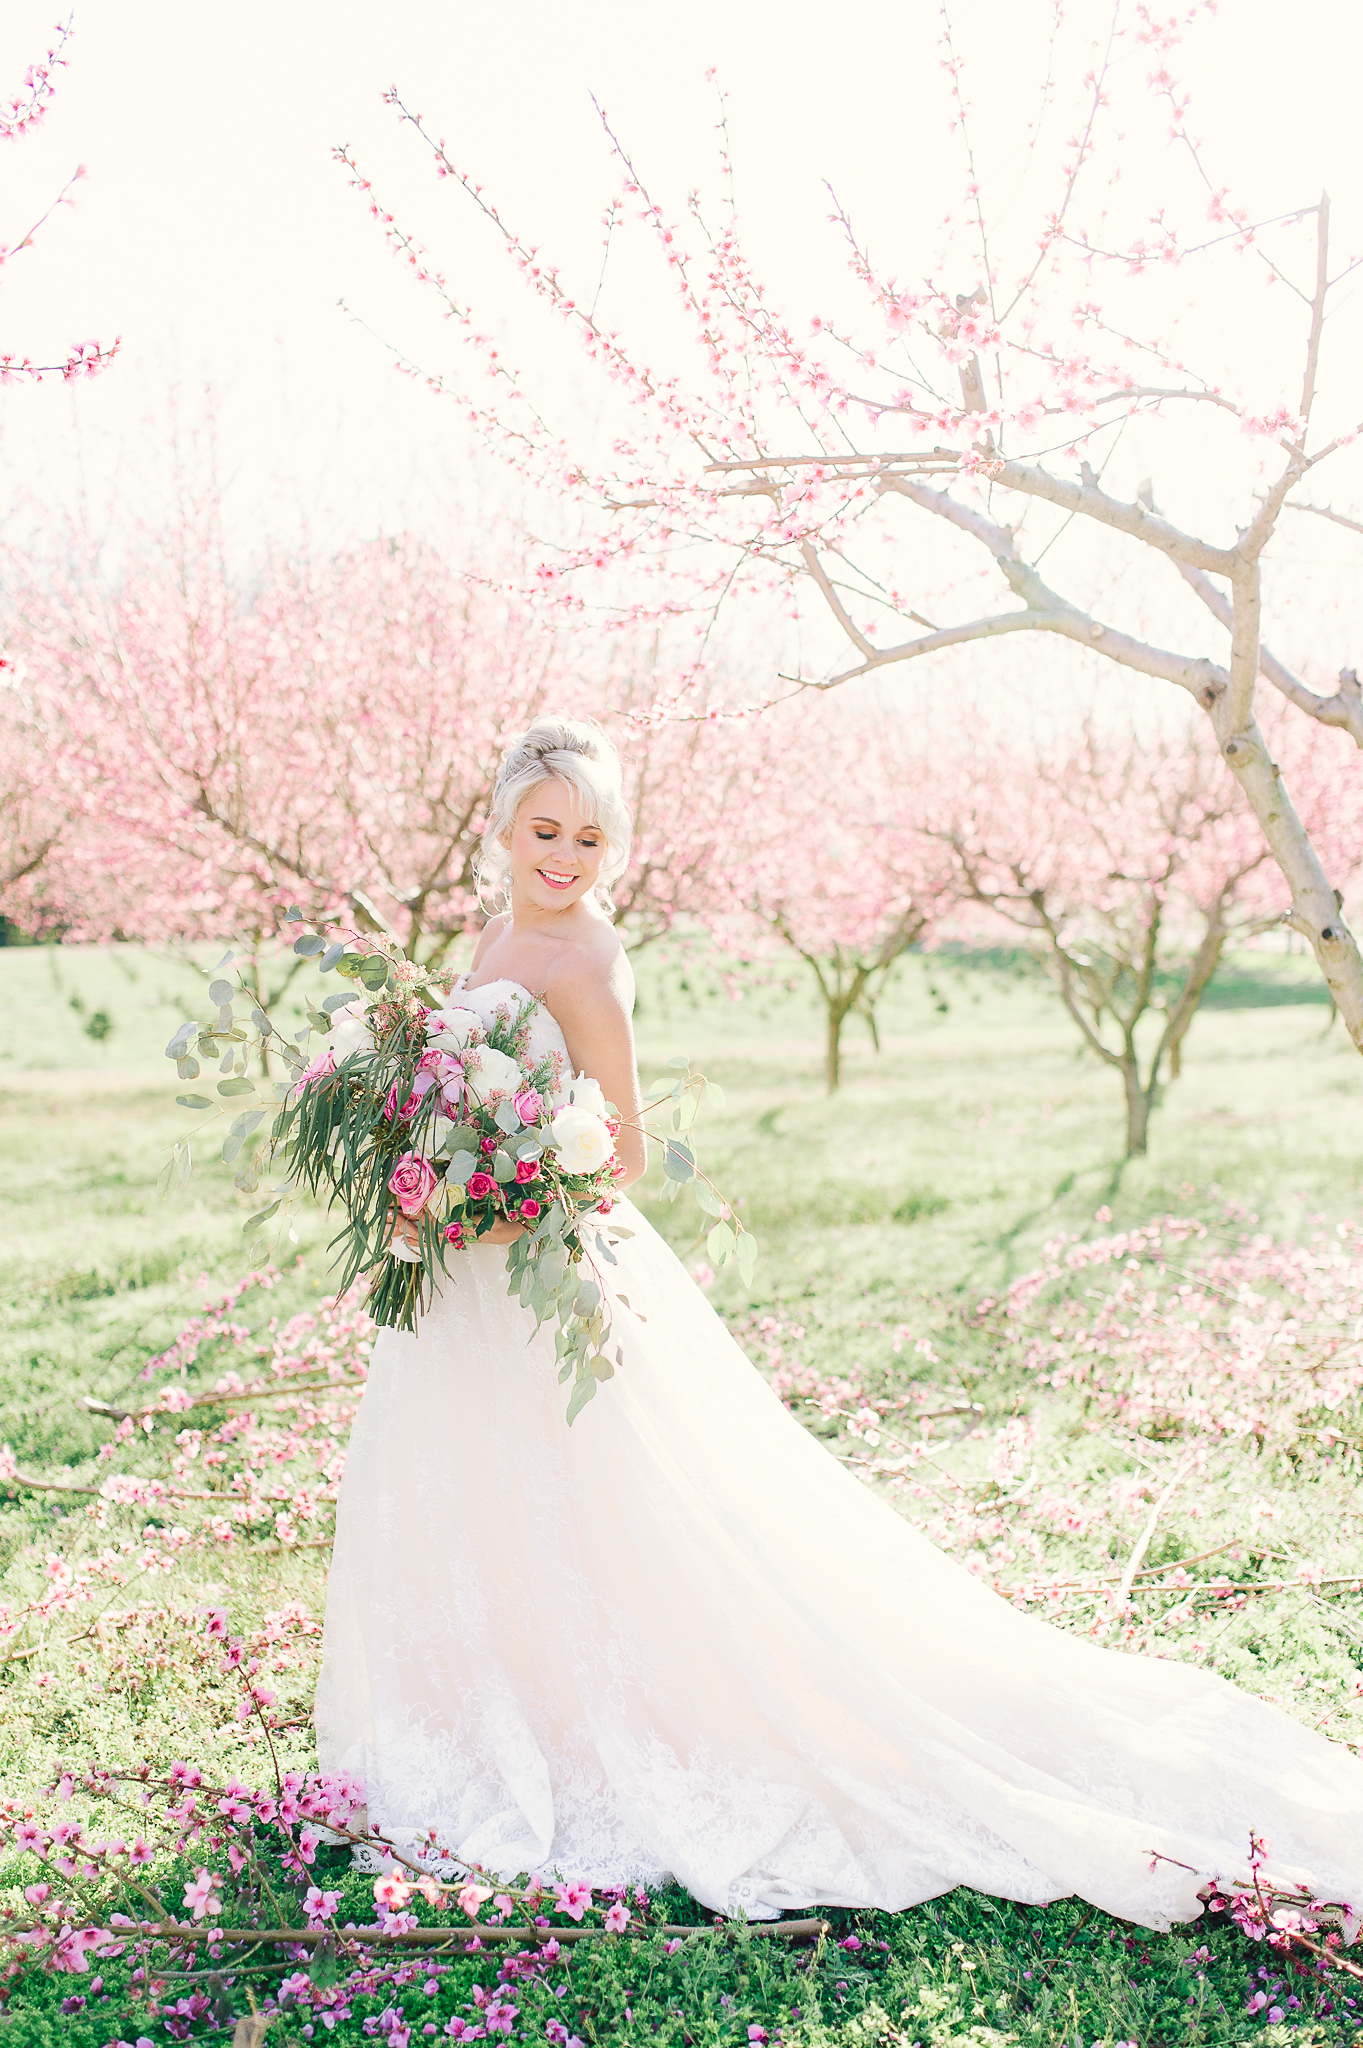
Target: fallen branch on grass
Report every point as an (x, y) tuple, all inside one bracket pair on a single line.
[(470, 1938)]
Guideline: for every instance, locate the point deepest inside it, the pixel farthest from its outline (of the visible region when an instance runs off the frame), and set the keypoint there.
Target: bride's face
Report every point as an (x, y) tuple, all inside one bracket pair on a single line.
[(556, 851)]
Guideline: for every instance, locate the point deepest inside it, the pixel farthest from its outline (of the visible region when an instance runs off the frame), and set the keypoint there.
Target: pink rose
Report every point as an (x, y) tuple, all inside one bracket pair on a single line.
[(454, 1234), (530, 1209), (487, 1145), (390, 1108), (325, 1063), (527, 1169), (481, 1184), (528, 1105), (409, 1108), (412, 1183)]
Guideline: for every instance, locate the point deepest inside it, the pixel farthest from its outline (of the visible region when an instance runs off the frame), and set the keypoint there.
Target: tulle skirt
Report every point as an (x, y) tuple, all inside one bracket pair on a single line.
[(679, 1639)]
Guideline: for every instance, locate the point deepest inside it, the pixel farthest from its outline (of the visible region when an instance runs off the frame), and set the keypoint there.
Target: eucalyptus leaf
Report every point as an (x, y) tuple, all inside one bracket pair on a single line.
[(243, 1125), (230, 1148), (186, 1163), (602, 1369), (164, 1179), (309, 945), (331, 958), (261, 1216), (588, 1298), (532, 1149), (228, 957), (209, 1048), (706, 1197), (679, 1065), (337, 1001), (720, 1243), (221, 993), (181, 1039), (374, 972), (195, 1101), (187, 1069), (580, 1396), (293, 915), (503, 1169), (460, 1167), (506, 1119), (679, 1162), (239, 1086), (716, 1094)]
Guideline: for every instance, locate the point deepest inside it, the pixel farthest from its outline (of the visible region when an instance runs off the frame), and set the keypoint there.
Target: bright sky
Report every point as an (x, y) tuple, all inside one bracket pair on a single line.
[(216, 234)]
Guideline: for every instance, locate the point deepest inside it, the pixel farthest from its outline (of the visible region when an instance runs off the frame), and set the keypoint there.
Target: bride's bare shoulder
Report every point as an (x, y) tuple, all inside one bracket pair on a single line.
[(488, 936), (594, 975)]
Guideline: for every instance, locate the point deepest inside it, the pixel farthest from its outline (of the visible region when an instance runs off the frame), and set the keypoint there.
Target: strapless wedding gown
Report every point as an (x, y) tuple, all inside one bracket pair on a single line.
[(680, 1638)]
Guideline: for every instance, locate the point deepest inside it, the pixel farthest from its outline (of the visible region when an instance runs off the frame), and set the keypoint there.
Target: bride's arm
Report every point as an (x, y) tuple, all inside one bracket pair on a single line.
[(593, 1002)]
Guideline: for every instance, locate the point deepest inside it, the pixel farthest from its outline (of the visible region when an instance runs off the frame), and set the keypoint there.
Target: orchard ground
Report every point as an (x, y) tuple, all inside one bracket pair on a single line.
[(936, 1176)]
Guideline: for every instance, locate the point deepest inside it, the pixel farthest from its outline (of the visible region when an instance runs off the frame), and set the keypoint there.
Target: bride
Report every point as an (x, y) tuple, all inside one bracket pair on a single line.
[(679, 1638)]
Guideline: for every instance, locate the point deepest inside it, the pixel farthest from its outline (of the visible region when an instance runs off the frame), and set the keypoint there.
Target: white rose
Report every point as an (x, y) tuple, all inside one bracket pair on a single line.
[(450, 1030), (582, 1140), (490, 1073), (585, 1093), (350, 1031)]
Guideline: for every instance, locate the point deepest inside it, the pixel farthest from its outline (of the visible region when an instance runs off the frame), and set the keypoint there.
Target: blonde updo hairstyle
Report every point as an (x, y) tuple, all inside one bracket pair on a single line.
[(574, 751)]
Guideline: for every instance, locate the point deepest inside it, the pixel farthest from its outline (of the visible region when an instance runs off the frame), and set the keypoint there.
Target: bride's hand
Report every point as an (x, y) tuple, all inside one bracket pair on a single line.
[(407, 1231)]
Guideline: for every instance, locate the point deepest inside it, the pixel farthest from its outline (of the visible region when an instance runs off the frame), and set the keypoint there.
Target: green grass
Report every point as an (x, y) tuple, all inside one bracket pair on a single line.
[(936, 1175)]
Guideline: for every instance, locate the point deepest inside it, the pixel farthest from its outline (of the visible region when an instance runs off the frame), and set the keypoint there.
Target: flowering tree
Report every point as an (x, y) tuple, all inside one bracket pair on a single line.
[(31, 813), (327, 738), (323, 733), (825, 854), (683, 784), (886, 470), (1130, 863), (20, 115)]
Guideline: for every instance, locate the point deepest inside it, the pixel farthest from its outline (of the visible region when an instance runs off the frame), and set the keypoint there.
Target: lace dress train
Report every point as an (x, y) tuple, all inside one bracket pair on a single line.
[(680, 1639)]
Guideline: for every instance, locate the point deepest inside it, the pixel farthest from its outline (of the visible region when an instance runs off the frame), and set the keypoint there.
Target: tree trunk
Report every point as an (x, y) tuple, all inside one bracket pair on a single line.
[(1137, 1110), (1315, 911), (837, 1017)]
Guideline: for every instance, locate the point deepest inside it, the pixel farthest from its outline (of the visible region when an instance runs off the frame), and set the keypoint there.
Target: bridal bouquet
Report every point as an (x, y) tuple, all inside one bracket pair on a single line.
[(412, 1108)]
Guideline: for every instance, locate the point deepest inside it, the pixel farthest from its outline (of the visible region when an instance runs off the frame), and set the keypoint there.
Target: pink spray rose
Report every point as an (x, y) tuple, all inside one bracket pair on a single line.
[(481, 1184), (530, 1209), (454, 1234), (527, 1169), (528, 1105), (412, 1183)]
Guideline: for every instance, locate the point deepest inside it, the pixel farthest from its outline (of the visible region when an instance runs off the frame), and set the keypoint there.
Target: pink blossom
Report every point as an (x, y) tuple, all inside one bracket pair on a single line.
[(573, 1899), (392, 1890), (617, 1918), (412, 1182), (470, 1897), (320, 1905), (201, 1896)]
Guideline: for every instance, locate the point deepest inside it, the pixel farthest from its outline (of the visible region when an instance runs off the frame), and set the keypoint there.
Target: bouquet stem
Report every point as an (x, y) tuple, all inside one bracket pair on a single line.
[(397, 1294)]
